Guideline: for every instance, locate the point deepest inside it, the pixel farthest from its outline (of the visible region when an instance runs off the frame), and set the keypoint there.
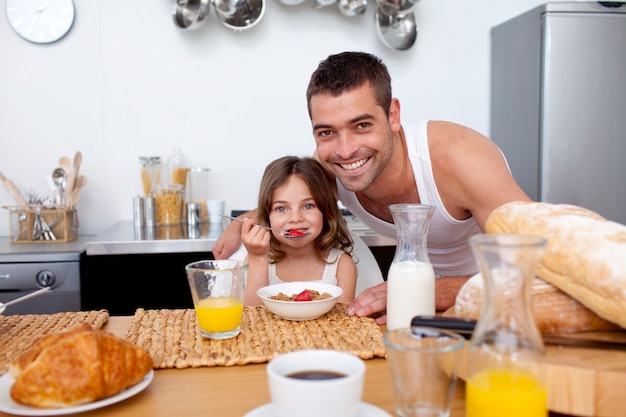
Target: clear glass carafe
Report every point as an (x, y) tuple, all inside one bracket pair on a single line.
[(506, 376), (411, 279)]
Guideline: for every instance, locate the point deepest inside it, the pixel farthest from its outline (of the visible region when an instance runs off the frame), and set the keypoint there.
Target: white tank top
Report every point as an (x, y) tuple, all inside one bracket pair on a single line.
[(448, 238), (329, 275)]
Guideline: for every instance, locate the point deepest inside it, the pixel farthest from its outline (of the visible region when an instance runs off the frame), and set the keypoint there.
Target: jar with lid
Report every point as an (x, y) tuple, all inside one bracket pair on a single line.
[(411, 278), (506, 374), (150, 172), (177, 165), (168, 204), (198, 180)]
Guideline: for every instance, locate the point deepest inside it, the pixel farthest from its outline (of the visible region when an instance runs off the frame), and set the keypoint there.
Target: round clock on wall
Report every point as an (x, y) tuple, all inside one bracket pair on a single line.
[(41, 21)]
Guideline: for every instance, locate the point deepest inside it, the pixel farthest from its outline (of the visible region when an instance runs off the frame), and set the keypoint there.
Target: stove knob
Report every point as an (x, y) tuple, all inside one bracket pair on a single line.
[(46, 278)]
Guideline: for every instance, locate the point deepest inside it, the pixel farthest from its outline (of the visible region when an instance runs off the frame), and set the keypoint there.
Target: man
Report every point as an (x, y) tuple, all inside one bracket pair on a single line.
[(378, 161)]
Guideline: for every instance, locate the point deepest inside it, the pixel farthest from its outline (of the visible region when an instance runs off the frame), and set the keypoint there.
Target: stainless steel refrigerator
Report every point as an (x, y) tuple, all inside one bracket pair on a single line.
[(558, 103)]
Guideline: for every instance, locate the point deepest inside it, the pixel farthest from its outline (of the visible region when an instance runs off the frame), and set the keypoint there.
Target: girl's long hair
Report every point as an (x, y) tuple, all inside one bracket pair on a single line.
[(334, 233)]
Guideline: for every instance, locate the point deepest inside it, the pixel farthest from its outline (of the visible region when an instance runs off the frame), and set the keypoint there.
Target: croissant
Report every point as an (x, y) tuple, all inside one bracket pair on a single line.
[(77, 367)]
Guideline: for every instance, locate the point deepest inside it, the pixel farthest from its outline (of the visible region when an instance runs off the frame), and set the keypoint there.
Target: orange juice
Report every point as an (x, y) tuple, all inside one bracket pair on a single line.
[(219, 314), (505, 392)]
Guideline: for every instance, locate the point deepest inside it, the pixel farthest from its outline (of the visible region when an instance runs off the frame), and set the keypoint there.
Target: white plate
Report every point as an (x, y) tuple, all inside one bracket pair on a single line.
[(365, 410), (7, 405)]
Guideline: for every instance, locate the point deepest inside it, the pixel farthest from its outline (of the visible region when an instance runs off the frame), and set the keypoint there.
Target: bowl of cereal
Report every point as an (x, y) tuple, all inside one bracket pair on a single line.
[(300, 300)]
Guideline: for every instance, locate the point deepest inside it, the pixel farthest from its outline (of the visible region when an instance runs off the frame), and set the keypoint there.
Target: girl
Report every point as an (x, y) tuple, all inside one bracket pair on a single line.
[(296, 197)]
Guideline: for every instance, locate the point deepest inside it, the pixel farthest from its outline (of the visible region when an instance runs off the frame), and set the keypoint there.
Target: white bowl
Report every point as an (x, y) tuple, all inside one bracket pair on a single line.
[(299, 310)]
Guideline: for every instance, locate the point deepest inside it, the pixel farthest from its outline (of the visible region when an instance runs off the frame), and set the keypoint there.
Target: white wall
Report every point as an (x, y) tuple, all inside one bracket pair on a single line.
[(127, 82)]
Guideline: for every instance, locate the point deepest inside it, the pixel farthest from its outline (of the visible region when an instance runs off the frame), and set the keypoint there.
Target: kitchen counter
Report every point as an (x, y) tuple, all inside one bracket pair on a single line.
[(123, 239), (42, 252), (124, 268)]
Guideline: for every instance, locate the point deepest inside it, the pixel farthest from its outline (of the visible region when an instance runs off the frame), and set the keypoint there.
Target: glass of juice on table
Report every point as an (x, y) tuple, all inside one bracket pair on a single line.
[(506, 371), (217, 289)]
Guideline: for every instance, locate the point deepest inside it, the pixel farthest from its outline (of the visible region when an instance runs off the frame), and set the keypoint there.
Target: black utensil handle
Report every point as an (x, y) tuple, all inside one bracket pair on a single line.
[(464, 327)]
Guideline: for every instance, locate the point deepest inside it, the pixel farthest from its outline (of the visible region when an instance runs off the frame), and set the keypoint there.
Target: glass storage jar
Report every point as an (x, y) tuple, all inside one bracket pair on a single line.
[(169, 204)]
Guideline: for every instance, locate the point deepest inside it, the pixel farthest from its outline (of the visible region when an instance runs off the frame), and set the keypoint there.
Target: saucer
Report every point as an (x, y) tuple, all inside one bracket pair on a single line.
[(365, 410)]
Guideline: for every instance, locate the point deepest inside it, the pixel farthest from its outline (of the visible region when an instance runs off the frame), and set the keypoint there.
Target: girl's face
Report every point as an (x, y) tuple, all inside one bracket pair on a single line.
[(293, 208)]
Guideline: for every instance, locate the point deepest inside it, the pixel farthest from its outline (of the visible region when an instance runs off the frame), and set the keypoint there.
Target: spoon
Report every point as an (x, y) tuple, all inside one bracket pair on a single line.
[(65, 163), (43, 290), (397, 32), (293, 234), (59, 179)]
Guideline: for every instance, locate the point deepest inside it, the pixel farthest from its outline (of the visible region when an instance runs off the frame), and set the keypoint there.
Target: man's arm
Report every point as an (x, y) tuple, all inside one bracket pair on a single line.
[(230, 239)]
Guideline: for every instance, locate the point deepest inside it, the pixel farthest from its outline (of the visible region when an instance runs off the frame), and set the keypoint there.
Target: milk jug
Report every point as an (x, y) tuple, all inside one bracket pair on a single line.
[(411, 279)]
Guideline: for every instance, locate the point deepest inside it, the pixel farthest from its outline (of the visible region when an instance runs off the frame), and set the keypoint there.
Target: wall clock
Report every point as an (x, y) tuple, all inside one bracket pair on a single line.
[(41, 21)]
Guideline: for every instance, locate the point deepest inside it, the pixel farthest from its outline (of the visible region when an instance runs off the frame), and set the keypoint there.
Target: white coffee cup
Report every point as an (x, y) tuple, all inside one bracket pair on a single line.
[(337, 397)]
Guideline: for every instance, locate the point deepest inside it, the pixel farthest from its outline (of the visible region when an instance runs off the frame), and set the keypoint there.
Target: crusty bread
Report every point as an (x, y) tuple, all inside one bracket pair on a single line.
[(585, 257), (553, 310), (77, 367)]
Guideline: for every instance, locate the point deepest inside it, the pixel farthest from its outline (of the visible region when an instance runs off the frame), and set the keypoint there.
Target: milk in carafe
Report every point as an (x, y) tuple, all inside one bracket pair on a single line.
[(411, 278), (410, 292)]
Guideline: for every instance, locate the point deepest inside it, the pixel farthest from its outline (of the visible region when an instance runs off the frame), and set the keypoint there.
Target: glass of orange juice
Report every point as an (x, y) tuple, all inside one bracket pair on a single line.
[(217, 289)]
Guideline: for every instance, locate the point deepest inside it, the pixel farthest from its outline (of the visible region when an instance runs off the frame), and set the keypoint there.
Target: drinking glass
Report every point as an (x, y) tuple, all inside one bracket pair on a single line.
[(217, 289)]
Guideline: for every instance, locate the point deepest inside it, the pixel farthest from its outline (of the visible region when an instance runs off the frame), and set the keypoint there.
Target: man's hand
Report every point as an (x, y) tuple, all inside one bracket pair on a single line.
[(228, 242), (373, 301)]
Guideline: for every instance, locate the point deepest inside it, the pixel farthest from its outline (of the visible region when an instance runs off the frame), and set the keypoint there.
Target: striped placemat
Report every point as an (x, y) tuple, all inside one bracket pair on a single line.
[(18, 333), (173, 340)]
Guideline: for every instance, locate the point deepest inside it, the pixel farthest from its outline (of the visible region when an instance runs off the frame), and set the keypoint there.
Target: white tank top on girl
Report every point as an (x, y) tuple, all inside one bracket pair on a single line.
[(329, 275), (448, 238)]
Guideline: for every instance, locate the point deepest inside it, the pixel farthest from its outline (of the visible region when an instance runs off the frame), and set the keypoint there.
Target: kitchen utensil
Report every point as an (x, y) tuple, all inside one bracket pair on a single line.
[(42, 229), (12, 189), (59, 177), (239, 15), (287, 235), (71, 177), (81, 180), (65, 163), (352, 8), (396, 32), (33, 294), (74, 197), (465, 327), (190, 14)]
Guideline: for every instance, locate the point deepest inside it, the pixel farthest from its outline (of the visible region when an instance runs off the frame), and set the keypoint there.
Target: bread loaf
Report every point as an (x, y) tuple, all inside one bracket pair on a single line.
[(585, 257), (77, 367), (553, 310)]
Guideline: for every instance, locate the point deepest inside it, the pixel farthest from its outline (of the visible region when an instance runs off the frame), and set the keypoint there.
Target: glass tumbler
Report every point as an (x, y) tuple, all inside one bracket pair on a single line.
[(218, 289)]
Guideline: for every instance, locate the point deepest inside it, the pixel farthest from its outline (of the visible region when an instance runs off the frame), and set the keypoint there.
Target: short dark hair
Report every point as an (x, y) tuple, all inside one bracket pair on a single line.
[(349, 70)]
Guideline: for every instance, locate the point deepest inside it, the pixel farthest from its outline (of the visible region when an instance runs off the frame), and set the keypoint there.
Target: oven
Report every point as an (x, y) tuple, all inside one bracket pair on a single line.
[(25, 268)]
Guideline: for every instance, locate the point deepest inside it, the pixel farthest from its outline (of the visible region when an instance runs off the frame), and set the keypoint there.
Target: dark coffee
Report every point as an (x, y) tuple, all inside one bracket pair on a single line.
[(316, 375)]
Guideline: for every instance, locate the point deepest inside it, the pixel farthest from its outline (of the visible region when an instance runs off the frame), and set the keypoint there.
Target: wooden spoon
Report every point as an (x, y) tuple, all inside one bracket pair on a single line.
[(71, 178), (65, 163)]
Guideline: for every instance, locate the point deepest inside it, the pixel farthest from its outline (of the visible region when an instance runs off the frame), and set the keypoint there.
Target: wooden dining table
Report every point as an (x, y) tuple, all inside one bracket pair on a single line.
[(230, 391), (233, 391)]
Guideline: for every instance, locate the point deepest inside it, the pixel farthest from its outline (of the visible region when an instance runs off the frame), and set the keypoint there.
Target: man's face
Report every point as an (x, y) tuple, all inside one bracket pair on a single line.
[(353, 136)]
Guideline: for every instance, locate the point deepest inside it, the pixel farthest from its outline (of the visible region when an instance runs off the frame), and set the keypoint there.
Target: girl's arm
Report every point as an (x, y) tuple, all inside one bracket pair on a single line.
[(346, 277), (257, 243)]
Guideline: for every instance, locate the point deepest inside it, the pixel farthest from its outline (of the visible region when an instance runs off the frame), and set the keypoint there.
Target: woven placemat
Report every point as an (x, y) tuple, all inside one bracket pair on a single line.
[(19, 333), (174, 341)]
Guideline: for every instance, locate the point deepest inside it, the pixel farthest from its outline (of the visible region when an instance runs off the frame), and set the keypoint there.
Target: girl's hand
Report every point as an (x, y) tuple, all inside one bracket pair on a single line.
[(255, 238)]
